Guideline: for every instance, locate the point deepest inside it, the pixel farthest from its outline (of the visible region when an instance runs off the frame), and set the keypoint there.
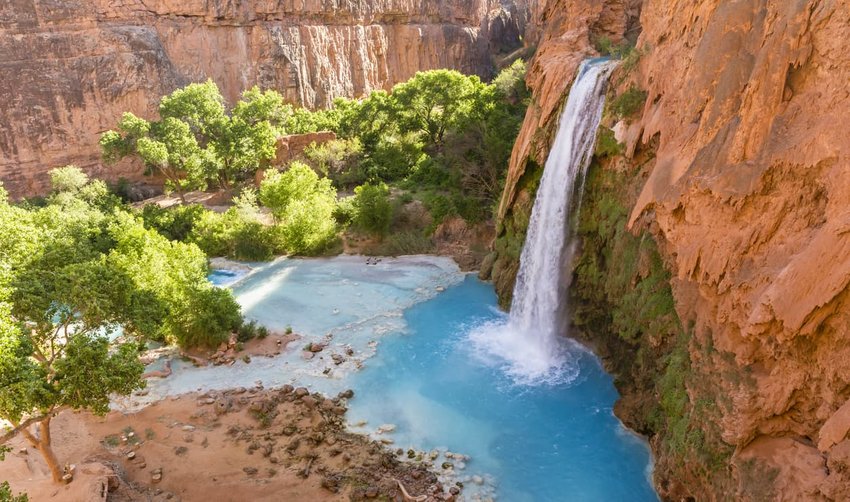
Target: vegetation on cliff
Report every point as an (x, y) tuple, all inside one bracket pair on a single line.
[(623, 303)]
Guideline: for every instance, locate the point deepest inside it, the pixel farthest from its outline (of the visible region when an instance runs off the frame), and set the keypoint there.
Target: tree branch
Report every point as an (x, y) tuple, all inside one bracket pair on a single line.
[(22, 426)]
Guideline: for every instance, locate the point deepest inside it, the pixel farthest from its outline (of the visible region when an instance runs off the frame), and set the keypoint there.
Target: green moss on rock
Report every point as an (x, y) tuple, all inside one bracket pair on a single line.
[(511, 232), (622, 303)]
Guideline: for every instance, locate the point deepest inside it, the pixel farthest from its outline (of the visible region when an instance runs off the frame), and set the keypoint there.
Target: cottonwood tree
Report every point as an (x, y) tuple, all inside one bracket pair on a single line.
[(71, 275), (57, 299), (302, 205), (198, 140), (434, 102), (373, 211)]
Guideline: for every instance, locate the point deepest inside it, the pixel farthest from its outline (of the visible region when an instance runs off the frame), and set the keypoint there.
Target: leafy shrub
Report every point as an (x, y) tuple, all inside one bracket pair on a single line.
[(394, 156), (628, 103), (7, 496), (406, 243), (250, 330), (606, 144), (208, 317), (303, 207), (174, 223), (373, 211), (340, 160), (233, 235), (344, 211), (440, 206), (68, 179)]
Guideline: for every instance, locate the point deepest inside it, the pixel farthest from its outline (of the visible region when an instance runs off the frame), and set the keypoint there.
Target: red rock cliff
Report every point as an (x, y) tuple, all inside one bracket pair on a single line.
[(70, 68), (748, 196)]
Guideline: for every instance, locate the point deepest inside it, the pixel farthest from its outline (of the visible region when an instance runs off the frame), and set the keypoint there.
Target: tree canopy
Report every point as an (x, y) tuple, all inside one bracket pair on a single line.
[(303, 206), (197, 140), (76, 273)]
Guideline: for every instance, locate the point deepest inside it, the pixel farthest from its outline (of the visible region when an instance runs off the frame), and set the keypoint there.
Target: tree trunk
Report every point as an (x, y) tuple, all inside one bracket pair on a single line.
[(42, 444)]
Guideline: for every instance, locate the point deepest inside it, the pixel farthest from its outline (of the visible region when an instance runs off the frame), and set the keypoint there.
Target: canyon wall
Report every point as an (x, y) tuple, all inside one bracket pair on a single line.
[(737, 169), (70, 67)]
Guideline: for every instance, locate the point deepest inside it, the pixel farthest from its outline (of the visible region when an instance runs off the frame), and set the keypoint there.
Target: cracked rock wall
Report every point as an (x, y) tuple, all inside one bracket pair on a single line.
[(69, 68)]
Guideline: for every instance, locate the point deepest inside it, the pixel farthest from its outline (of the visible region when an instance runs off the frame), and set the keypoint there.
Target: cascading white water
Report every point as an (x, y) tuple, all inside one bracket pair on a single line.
[(529, 342)]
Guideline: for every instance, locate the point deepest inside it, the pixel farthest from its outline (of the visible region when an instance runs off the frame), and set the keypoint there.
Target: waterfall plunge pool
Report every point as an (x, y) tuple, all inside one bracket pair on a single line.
[(409, 322)]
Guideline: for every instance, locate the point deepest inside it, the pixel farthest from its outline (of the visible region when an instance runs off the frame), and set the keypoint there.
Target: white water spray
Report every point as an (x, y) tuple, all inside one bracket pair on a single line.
[(529, 345)]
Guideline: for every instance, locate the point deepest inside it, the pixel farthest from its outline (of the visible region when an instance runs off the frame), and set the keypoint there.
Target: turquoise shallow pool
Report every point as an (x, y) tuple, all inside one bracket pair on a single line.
[(543, 443), (410, 331)]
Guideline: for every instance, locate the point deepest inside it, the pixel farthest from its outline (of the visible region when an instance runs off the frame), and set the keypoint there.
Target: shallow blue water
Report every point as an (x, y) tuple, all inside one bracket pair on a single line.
[(407, 321), (549, 443)]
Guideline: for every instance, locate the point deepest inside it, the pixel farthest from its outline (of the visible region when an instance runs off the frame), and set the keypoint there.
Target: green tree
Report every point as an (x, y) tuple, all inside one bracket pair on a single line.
[(302, 205), (71, 184), (167, 147), (338, 159), (238, 233), (59, 299), (71, 275), (198, 140), (246, 140), (373, 211), (434, 102)]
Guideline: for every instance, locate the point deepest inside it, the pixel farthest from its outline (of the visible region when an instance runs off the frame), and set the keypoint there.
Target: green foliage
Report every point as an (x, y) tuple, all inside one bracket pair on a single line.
[(344, 211), (68, 179), (234, 234), (250, 330), (174, 223), (70, 186), (621, 293), (628, 103), (434, 102), (606, 47), (606, 144), (303, 207), (197, 140), (373, 211), (406, 243), (6, 494), (443, 134), (302, 121), (339, 160), (626, 52)]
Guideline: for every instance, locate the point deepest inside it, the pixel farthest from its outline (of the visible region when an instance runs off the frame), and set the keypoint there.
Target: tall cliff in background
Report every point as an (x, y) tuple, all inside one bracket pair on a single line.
[(70, 68), (735, 174)]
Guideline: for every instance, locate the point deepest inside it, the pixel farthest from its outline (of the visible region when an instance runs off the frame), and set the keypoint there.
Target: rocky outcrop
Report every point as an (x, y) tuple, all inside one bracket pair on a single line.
[(292, 146), (746, 194), (71, 68)]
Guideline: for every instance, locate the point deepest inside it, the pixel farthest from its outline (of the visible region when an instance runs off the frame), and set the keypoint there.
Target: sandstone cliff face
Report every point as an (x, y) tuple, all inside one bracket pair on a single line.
[(747, 196), (71, 67)]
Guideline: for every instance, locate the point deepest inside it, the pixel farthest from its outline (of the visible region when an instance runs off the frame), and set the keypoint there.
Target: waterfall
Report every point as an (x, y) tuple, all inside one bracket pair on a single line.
[(529, 344)]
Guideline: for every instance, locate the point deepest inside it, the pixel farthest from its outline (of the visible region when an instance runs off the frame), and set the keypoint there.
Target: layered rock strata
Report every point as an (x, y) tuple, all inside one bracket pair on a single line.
[(746, 194), (71, 68)]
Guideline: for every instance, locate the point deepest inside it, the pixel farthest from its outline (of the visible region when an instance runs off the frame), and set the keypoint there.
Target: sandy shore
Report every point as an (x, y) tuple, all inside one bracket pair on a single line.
[(235, 445)]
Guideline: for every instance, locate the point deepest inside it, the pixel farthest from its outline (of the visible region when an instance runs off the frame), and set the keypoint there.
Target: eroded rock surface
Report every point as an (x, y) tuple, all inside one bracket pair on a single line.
[(71, 68), (747, 196)]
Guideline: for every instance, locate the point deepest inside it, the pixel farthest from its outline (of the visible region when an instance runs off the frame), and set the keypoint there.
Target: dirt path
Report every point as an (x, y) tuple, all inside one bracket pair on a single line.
[(235, 445)]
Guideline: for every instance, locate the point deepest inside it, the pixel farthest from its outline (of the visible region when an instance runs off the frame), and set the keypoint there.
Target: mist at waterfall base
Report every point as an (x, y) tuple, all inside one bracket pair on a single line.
[(436, 358), (529, 346), (552, 442)]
